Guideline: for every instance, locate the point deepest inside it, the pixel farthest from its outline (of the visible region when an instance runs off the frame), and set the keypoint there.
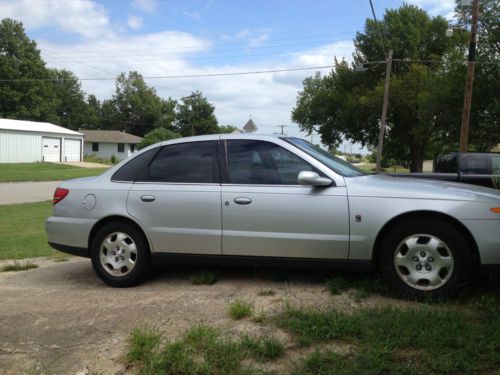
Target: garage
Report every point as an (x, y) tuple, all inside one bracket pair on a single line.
[(72, 149), (31, 141), (51, 149)]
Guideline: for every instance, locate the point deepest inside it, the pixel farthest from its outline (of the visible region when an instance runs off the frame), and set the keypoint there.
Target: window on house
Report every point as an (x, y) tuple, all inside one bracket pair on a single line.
[(132, 148), (95, 147), (121, 147)]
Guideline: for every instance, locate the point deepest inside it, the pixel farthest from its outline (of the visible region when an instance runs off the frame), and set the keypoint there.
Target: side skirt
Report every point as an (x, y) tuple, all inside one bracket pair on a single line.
[(258, 261)]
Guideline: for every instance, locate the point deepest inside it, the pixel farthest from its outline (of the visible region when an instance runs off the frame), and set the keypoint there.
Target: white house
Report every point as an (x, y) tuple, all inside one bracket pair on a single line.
[(31, 141), (107, 143)]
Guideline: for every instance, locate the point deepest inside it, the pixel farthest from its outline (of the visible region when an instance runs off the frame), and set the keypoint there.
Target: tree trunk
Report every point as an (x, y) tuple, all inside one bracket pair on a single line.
[(416, 163)]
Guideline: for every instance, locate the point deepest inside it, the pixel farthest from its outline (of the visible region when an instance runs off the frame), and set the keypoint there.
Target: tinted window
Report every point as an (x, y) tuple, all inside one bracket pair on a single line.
[(495, 165), (476, 164), (447, 164), (258, 162), (130, 171), (194, 162)]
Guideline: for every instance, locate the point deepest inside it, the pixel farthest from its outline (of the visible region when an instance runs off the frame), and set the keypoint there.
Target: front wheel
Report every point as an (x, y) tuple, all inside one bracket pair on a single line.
[(425, 257), (120, 255)]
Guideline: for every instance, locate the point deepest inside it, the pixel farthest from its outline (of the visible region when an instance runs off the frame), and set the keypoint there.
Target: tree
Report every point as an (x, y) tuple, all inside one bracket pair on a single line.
[(158, 135), (71, 110), (346, 103), (135, 107), (195, 116), (223, 129), (29, 96)]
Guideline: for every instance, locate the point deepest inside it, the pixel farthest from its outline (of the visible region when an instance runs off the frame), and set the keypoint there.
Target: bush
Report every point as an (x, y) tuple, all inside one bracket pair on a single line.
[(158, 135)]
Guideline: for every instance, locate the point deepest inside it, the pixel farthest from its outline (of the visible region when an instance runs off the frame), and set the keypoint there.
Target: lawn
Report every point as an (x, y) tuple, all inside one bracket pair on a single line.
[(22, 232), (44, 172), (370, 167)]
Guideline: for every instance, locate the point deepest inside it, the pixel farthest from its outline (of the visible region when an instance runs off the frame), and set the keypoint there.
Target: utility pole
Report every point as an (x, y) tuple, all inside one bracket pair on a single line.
[(282, 127), (384, 111), (464, 132)]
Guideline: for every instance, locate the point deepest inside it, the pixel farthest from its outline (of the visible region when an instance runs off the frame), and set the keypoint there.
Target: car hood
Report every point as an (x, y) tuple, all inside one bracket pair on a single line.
[(377, 185)]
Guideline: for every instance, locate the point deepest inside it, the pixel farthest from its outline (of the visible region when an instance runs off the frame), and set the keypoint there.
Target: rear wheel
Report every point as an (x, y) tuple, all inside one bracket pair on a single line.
[(426, 257), (120, 254)]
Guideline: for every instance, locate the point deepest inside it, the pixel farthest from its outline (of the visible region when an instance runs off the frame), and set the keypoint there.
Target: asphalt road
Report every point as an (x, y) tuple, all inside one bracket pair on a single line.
[(26, 192)]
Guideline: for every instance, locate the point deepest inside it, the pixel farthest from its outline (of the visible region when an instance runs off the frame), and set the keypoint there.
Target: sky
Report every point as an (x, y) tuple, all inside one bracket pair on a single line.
[(165, 38)]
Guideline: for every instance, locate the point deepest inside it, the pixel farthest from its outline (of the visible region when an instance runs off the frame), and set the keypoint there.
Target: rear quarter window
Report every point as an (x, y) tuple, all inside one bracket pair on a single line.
[(131, 170)]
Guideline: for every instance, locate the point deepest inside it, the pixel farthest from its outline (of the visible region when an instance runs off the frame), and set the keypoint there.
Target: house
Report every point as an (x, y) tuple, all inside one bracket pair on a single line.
[(31, 141), (249, 127), (107, 143)]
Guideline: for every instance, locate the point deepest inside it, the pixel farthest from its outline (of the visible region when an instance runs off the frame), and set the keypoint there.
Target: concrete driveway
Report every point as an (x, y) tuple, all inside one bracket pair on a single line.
[(26, 192)]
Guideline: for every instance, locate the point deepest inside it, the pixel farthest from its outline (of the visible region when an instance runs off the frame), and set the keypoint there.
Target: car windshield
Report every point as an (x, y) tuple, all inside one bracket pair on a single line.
[(337, 165)]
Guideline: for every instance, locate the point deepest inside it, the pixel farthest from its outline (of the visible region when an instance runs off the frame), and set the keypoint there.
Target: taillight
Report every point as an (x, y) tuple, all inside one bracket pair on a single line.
[(59, 195)]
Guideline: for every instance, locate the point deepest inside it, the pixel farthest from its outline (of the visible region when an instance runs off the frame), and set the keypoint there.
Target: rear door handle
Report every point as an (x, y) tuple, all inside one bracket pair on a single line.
[(242, 200), (147, 198)]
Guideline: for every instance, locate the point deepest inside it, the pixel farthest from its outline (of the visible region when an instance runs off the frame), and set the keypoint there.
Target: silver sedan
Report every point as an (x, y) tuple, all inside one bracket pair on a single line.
[(273, 201)]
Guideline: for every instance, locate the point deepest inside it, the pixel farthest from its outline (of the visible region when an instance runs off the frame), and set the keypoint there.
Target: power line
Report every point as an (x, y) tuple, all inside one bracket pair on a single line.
[(182, 76), (230, 73), (208, 45)]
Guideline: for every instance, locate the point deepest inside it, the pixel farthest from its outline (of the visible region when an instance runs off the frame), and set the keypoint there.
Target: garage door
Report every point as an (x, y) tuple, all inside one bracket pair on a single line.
[(51, 149), (72, 149)]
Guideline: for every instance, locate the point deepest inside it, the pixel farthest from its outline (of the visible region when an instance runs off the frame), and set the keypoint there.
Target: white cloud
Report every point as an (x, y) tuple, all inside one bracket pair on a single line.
[(83, 17), (193, 15), (148, 6), (134, 22), (445, 8), (254, 37), (268, 97)]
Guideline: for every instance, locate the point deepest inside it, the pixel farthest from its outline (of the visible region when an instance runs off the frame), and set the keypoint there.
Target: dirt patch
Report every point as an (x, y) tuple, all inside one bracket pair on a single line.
[(63, 319)]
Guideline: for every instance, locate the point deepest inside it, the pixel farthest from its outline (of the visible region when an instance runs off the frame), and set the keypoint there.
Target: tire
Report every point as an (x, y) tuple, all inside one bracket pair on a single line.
[(120, 255), (425, 258)]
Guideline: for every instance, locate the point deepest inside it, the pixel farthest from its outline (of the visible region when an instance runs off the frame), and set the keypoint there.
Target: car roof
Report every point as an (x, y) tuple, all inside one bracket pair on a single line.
[(212, 137)]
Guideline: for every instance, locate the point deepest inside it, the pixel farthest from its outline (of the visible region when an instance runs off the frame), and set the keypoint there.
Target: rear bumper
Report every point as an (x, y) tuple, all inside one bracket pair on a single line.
[(67, 231), (78, 251)]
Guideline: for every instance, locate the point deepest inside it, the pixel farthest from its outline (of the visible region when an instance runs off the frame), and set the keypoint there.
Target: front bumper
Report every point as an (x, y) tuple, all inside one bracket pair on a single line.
[(487, 236)]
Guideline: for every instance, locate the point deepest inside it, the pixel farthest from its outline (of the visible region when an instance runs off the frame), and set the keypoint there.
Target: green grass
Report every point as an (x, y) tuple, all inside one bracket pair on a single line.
[(203, 278), (263, 348), (457, 337), (44, 172), (239, 309), (19, 266), (422, 340), (22, 231), (370, 167), (201, 350)]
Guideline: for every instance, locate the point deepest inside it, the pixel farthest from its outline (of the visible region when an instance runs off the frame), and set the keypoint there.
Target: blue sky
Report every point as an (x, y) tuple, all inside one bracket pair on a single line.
[(98, 39)]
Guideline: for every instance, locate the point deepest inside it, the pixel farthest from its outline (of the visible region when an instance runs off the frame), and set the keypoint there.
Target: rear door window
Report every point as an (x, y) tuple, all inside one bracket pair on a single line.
[(194, 162), (132, 169)]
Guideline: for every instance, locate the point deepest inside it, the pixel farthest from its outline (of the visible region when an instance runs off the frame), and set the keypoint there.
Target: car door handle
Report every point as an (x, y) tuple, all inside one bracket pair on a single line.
[(147, 198), (242, 200)]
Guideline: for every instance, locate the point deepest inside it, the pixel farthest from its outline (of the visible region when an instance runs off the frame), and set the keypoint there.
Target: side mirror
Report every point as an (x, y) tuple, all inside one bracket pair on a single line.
[(309, 178)]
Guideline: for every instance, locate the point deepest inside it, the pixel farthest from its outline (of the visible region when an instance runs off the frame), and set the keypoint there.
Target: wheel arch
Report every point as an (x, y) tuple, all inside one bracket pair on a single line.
[(420, 215), (117, 218)]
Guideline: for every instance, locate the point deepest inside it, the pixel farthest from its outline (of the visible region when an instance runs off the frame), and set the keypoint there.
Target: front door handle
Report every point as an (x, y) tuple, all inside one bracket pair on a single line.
[(147, 198), (242, 200)]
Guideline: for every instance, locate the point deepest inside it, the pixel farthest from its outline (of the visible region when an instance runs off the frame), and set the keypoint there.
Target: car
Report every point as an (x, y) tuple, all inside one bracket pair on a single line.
[(274, 201)]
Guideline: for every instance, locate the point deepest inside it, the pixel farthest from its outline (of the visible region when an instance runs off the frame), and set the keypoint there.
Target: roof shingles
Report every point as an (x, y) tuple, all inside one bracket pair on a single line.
[(110, 136)]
